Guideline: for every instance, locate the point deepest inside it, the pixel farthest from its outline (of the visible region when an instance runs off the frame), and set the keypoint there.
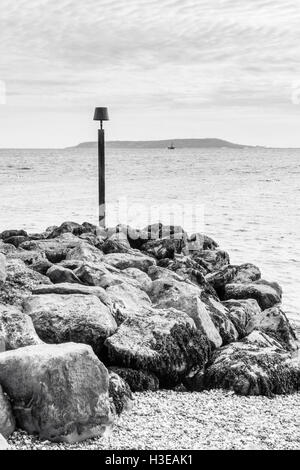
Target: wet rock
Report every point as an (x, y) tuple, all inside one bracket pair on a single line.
[(187, 298), (120, 393), (2, 269), (17, 328), (163, 342), (13, 233), (138, 380), (247, 273), (59, 392), (7, 420), (67, 227), (77, 318), (249, 368), (274, 322), (16, 240), (69, 289), (86, 253), (199, 242), (125, 260), (211, 260), (267, 294), (163, 248), (20, 282), (58, 274), (241, 312)]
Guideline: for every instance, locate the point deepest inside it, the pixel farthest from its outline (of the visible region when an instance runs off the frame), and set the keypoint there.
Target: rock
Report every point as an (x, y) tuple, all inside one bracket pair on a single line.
[(162, 248), (120, 392), (59, 274), (163, 342), (2, 269), (77, 318), (16, 241), (240, 312), (59, 392), (249, 368), (41, 266), (69, 289), (247, 273), (262, 339), (211, 260), (266, 294), (55, 249), (117, 243), (138, 380), (7, 249), (127, 301), (143, 280), (186, 268), (13, 233), (199, 242), (186, 298), (157, 272), (221, 319), (125, 260), (3, 443), (86, 253), (2, 343), (7, 420), (67, 227), (274, 323), (20, 282), (156, 231), (98, 274), (17, 328), (135, 237)]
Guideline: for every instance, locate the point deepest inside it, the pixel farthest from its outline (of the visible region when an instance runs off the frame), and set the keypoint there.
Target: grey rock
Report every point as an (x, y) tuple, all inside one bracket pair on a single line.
[(17, 328)]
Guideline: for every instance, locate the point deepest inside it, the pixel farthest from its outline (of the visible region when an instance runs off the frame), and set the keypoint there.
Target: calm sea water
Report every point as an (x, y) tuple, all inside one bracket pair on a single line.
[(248, 200)]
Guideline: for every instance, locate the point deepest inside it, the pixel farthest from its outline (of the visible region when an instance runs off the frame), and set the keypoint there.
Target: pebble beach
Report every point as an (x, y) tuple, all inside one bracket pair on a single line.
[(210, 420)]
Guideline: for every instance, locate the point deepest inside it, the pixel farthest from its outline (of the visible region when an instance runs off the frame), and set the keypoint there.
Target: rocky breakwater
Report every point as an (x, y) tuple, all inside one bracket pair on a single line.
[(90, 315)]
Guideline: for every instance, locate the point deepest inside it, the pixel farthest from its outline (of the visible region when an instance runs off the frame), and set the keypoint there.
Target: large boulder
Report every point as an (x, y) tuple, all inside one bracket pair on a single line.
[(127, 301), (12, 233), (16, 328), (143, 280), (266, 293), (70, 289), (67, 227), (120, 393), (186, 268), (7, 420), (59, 392), (58, 274), (163, 248), (221, 319), (159, 231), (247, 273), (169, 293), (199, 241), (275, 323), (253, 367), (138, 380), (78, 318), (241, 312), (3, 274), (117, 243), (211, 260), (85, 252), (126, 260), (164, 342), (55, 249), (19, 282)]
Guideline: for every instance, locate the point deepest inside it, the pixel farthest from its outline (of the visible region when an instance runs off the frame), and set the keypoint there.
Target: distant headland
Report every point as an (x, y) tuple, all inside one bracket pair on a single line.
[(178, 143)]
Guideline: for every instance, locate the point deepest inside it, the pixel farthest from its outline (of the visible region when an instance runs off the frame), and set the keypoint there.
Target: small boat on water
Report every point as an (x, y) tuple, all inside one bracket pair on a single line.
[(171, 147)]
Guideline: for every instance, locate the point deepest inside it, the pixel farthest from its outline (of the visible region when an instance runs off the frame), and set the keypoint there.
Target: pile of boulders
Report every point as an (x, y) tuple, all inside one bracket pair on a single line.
[(90, 315)]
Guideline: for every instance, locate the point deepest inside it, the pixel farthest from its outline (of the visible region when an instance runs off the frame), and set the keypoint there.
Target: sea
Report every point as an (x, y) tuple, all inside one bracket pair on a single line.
[(248, 199)]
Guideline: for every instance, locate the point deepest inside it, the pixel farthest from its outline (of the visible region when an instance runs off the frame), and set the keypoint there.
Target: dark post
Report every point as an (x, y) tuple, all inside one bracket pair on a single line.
[(101, 114)]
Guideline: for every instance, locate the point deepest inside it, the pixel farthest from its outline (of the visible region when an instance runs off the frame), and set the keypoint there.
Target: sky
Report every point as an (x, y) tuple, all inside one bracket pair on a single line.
[(165, 69)]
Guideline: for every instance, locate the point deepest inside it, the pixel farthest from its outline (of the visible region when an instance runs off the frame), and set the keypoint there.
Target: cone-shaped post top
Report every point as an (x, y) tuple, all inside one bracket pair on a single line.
[(101, 114)]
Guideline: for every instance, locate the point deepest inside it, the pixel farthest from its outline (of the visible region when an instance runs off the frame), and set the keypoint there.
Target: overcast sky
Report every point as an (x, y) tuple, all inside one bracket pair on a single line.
[(165, 68)]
